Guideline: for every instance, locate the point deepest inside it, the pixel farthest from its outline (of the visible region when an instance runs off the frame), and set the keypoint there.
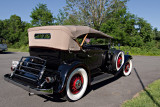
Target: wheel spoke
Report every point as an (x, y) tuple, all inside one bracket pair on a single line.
[(119, 61), (127, 67), (76, 83)]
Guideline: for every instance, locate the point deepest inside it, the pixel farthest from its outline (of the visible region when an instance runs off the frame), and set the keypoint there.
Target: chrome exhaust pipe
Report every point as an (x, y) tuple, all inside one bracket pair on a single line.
[(31, 94)]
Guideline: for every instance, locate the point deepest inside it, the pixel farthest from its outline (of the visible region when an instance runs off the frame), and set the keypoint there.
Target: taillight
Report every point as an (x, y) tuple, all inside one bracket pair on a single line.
[(14, 65), (50, 79), (12, 69)]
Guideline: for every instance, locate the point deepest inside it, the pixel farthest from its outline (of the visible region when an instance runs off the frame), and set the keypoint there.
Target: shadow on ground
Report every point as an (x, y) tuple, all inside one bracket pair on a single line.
[(58, 98), (148, 93), (7, 53), (53, 98)]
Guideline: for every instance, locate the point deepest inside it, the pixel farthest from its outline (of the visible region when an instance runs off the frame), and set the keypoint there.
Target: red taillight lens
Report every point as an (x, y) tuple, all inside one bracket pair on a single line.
[(12, 69), (49, 79)]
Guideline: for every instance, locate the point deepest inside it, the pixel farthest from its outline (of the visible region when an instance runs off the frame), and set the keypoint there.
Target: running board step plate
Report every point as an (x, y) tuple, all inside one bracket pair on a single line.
[(100, 78)]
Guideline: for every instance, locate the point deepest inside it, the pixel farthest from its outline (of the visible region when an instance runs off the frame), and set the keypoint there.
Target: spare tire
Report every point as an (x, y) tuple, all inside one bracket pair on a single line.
[(117, 60)]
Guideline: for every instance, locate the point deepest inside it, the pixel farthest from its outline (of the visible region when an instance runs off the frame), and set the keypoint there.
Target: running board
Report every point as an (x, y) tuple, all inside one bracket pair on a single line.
[(100, 78)]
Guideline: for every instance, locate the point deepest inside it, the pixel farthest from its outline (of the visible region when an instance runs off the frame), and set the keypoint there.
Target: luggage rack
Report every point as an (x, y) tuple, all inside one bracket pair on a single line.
[(30, 68)]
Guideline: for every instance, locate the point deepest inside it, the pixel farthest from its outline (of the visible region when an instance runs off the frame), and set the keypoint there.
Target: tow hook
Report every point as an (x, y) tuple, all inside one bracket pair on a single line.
[(31, 94)]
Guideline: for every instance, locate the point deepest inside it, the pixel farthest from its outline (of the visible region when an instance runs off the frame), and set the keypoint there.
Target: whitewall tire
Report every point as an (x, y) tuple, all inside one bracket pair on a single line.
[(119, 60), (127, 68), (77, 84)]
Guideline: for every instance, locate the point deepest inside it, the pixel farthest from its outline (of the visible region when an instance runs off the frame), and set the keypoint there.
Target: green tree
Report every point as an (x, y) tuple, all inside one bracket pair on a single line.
[(145, 30), (120, 26), (92, 12), (24, 35), (1, 27), (14, 30), (41, 16), (72, 20), (128, 29), (61, 17), (157, 34), (5, 28)]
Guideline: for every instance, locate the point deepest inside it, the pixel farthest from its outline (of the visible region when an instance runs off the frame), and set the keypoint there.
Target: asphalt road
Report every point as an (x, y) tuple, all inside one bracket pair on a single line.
[(109, 93)]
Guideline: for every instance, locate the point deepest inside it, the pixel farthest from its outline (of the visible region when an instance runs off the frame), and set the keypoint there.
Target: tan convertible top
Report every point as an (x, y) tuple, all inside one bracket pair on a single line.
[(74, 31), (62, 37)]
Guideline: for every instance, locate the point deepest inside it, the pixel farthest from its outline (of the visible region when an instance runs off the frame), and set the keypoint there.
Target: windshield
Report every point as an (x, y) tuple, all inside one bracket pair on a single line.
[(93, 41)]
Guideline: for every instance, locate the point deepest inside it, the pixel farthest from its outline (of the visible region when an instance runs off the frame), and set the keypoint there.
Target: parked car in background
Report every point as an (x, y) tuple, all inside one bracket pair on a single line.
[(66, 60), (3, 45)]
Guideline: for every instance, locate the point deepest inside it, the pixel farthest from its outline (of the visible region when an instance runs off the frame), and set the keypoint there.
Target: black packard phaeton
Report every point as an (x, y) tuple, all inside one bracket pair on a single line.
[(64, 59)]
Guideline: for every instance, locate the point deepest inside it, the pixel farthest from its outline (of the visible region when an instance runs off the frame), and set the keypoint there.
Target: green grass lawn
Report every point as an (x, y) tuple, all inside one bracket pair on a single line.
[(150, 97), (140, 51), (13, 50), (22, 49), (130, 50)]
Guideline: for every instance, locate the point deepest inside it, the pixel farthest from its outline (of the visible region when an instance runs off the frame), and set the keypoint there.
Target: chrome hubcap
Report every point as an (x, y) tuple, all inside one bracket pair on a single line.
[(78, 84)]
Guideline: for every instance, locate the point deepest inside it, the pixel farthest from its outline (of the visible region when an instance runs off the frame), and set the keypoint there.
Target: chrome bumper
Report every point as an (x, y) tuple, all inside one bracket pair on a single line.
[(28, 88)]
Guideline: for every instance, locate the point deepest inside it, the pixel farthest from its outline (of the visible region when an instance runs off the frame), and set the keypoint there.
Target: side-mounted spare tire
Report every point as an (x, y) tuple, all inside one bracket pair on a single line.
[(117, 60)]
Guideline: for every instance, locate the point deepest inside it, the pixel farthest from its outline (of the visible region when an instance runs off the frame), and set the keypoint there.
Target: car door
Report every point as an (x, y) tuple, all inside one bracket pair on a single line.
[(93, 58)]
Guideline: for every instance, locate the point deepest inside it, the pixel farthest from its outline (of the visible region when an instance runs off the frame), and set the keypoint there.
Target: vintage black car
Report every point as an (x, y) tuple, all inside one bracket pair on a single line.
[(64, 60)]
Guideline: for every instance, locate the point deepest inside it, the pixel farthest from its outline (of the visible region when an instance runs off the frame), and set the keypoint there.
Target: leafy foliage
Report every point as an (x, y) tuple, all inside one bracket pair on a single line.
[(92, 12), (127, 29), (157, 34), (41, 16), (14, 31), (108, 16)]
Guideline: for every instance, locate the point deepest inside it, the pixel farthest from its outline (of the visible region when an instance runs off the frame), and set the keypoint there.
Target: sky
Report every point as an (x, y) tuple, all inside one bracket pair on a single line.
[(147, 9)]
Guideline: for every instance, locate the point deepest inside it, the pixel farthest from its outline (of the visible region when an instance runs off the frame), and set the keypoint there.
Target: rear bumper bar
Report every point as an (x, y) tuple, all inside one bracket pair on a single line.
[(28, 88)]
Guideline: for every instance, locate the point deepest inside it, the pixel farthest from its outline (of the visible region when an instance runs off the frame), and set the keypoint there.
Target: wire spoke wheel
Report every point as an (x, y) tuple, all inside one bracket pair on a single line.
[(127, 68), (119, 60), (76, 84)]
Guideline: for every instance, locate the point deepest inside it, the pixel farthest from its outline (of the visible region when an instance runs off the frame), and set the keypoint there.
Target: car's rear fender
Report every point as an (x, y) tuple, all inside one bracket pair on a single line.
[(65, 70)]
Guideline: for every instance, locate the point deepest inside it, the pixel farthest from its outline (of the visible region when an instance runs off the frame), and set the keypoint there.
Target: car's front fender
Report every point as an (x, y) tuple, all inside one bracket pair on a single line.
[(127, 57)]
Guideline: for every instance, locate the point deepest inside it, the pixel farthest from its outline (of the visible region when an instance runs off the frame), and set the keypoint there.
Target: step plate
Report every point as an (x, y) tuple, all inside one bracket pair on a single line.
[(101, 77)]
